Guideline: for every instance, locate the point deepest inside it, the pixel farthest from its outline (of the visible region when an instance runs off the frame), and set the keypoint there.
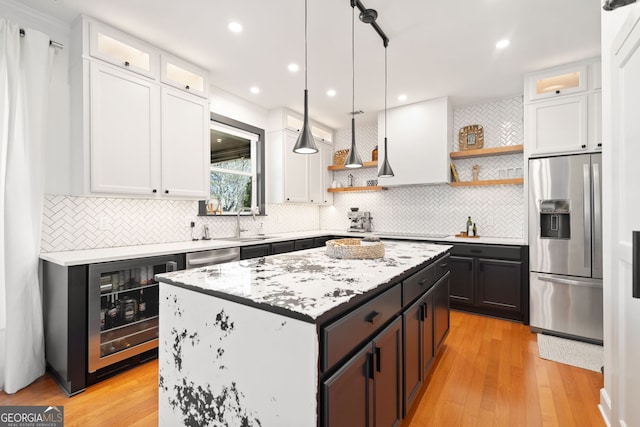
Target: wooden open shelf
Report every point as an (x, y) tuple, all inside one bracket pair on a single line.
[(346, 189), (364, 166), (483, 152), (488, 182)]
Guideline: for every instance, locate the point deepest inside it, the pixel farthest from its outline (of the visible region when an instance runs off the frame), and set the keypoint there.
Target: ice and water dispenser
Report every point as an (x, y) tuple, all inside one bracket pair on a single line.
[(555, 219)]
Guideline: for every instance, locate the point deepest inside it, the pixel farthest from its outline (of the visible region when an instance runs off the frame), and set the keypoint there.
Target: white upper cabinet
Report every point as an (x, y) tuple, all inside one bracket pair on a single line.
[(555, 82), (558, 125), (185, 145), (132, 134), (563, 109), (184, 76), (292, 177), (122, 50), (418, 139), (124, 132)]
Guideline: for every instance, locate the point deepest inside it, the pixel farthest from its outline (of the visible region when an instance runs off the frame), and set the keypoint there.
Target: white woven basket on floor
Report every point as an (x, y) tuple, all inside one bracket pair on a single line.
[(353, 249)]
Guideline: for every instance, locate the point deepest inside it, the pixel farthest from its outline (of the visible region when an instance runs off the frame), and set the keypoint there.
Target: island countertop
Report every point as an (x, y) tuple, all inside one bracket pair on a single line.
[(306, 284)]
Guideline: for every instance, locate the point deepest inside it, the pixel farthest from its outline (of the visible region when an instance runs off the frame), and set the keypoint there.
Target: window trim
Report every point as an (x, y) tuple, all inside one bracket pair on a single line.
[(260, 154)]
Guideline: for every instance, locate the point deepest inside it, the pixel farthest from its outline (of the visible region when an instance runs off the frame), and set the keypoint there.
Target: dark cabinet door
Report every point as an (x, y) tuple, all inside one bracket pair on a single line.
[(320, 241), (281, 247), (346, 393), (387, 361), (412, 335), (441, 310), (303, 244), (461, 283), (255, 251), (499, 284)]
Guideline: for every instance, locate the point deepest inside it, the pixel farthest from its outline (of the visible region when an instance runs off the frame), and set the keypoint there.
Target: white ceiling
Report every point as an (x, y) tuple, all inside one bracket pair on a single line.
[(436, 47)]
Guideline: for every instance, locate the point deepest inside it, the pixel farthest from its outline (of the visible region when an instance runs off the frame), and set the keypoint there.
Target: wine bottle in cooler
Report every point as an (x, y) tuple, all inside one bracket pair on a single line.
[(142, 305)]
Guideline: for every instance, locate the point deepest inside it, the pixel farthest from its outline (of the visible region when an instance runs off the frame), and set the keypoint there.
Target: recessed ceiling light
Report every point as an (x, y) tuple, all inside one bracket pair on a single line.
[(293, 67), (219, 140), (402, 98), (331, 92), (235, 27), (255, 89), (502, 44)]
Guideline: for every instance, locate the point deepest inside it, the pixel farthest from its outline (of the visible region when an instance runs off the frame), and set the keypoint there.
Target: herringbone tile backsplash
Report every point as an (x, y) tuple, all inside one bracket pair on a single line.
[(440, 209), (73, 223)]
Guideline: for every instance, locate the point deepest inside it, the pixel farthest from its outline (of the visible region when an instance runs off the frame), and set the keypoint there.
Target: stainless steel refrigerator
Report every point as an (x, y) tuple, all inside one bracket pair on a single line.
[(565, 246)]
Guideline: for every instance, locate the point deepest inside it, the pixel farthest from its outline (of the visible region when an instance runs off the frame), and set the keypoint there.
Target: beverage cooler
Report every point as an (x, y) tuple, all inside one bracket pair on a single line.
[(100, 318), (122, 308)]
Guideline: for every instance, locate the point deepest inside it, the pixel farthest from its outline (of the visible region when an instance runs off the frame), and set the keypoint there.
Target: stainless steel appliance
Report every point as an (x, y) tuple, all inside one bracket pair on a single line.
[(123, 308), (212, 257), (565, 238), (360, 221)]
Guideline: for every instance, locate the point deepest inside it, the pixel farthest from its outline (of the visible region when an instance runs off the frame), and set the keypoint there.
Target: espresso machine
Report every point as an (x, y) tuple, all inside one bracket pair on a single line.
[(359, 221)]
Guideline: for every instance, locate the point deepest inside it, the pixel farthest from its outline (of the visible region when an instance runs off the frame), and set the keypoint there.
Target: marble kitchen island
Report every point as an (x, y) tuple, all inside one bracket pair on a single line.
[(249, 343)]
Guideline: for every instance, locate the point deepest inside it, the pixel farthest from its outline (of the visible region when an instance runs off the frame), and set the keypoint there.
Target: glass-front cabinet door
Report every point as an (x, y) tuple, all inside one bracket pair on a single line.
[(123, 308)]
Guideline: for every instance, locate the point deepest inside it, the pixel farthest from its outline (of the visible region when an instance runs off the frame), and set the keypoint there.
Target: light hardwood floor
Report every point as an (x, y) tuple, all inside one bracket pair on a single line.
[(488, 373)]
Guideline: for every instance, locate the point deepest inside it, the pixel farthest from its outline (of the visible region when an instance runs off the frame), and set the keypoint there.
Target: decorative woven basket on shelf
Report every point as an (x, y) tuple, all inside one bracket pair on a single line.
[(352, 249), (471, 137), (339, 157)]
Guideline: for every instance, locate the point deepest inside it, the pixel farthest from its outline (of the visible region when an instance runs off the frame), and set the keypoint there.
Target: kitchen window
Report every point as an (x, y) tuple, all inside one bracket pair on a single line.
[(237, 164)]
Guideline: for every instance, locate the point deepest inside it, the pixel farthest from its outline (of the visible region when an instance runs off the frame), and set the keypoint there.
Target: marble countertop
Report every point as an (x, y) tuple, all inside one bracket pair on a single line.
[(90, 256), (304, 284)]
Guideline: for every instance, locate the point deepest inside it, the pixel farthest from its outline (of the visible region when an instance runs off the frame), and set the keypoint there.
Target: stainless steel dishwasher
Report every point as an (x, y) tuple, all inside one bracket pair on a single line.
[(211, 257)]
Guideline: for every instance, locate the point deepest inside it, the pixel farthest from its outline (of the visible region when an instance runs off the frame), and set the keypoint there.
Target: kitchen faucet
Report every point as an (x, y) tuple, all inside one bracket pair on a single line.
[(242, 209)]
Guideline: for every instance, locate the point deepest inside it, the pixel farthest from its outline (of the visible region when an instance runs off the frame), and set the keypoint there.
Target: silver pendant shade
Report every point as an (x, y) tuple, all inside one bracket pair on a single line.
[(353, 160), (305, 143)]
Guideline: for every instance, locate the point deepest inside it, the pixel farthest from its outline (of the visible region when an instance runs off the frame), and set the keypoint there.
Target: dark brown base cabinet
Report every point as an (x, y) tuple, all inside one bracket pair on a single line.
[(491, 280), (377, 385), (367, 390), (265, 249), (425, 325)]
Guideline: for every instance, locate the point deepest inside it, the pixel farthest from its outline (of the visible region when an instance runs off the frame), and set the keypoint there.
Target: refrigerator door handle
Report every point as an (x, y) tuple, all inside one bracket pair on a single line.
[(591, 283), (586, 197), (636, 264), (597, 221)]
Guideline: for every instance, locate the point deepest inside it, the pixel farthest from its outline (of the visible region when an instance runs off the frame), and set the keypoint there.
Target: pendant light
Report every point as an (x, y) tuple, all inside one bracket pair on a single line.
[(305, 143), (353, 159), (385, 171)]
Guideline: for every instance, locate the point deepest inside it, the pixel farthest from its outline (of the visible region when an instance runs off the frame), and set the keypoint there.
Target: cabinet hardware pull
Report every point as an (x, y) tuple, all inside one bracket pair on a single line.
[(154, 191), (421, 313), (425, 312), (423, 281), (378, 353), (187, 87), (557, 92), (166, 191), (444, 265), (371, 318), (476, 251), (370, 357), (600, 144), (583, 146), (126, 63)]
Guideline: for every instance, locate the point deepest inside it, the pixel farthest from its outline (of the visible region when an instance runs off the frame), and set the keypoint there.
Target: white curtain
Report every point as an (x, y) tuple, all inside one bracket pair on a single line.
[(25, 64)]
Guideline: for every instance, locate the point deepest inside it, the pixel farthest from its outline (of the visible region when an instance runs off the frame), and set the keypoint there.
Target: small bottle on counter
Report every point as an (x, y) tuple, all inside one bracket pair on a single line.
[(475, 230), (374, 154), (469, 226)]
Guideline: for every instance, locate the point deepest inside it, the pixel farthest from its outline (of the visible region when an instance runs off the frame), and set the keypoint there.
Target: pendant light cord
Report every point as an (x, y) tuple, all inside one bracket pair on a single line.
[(353, 63), (385, 100), (305, 45)]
